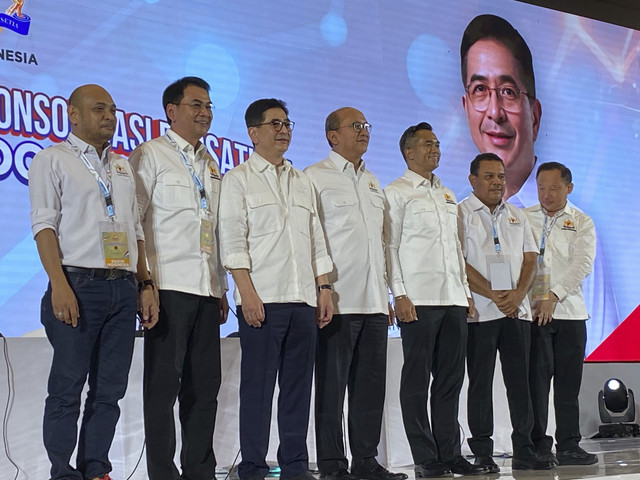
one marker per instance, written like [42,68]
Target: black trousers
[434,345]
[283,347]
[512,338]
[351,354]
[557,350]
[182,360]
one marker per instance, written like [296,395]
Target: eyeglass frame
[498,96]
[210,107]
[363,126]
[289,124]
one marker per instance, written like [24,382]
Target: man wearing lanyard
[352,350]
[500,253]
[84,218]
[432,299]
[567,239]
[273,244]
[178,187]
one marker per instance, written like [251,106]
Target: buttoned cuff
[235,261]
[398,289]
[322,266]
[560,292]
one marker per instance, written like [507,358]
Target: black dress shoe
[431,469]
[548,456]
[532,462]
[487,462]
[460,466]
[341,474]
[377,473]
[576,456]
[303,476]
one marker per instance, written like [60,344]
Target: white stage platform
[30,358]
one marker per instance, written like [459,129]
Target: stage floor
[618,458]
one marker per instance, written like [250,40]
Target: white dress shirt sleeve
[583,255]
[44,191]
[233,215]
[393,221]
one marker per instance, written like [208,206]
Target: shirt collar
[342,163]
[84,147]
[477,204]
[258,163]
[184,145]
[418,180]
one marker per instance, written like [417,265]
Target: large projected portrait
[529,84]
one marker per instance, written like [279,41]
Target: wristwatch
[144,283]
[326,286]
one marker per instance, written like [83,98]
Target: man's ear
[536,111]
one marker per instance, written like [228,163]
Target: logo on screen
[14,19]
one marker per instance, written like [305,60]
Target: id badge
[206,234]
[499,270]
[115,245]
[541,284]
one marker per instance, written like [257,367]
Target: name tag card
[499,270]
[115,245]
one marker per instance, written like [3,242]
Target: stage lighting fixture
[617,410]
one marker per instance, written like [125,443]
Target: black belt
[102,273]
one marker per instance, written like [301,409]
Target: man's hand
[64,303]
[471,309]
[148,307]
[405,310]
[508,302]
[324,310]
[392,315]
[543,309]
[224,308]
[252,309]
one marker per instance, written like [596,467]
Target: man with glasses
[352,350]
[273,244]
[500,96]
[432,301]
[178,189]
[500,254]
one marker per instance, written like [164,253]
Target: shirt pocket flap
[260,199]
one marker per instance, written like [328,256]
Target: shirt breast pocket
[423,218]
[263,214]
[177,190]
[302,209]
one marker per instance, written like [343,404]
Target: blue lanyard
[496,240]
[546,231]
[203,196]
[111,212]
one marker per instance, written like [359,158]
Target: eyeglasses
[358,127]
[198,106]
[507,94]
[278,124]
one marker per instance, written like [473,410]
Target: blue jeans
[101,346]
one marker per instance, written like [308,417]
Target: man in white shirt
[273,244]
[432,300]
[178,189]
[501,253]
[567,240]
[85,222]
[352,350]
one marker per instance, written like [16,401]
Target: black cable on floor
[8,407]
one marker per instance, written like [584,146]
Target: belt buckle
[112,275]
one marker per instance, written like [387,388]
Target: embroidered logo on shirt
[372,187]
[568,225]
[120,170]
[514,221]
[213,173]
[449,199]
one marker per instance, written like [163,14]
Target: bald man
[84,218]
[351,350]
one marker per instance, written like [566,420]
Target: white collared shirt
[570,251]
[66,198]
[424,256]
[269,225]
[171,213]
[476,237]
[351,209]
